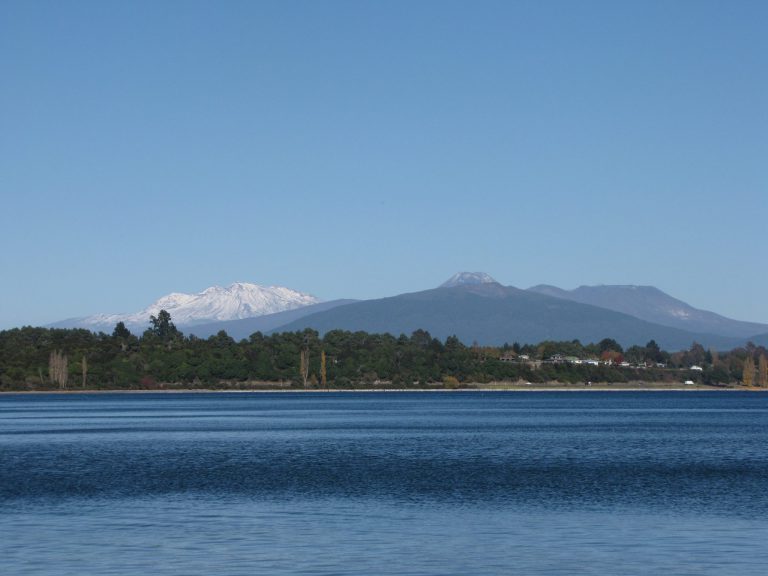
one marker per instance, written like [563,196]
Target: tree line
[163,357]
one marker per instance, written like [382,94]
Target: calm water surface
[385,483]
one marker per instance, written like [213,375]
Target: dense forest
[164,358]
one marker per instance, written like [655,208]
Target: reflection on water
[395,483]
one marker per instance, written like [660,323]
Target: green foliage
[164,357]
[609,345]
[161,326]
[121,332]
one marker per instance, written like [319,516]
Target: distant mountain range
[653,305]
[489,313]
[239,329]
[236,301]
[470,305]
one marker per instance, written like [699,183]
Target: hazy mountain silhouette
[653,305]
[239,329]
[489,313]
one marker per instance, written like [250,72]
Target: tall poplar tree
[304,364]
[748,374]
[58,370]
[323,377]
[762,372]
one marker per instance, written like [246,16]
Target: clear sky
[364,149]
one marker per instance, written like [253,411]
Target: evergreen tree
[162,327]
[610,345]
[121,332]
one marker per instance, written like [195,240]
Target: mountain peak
[468,279]
[216,303]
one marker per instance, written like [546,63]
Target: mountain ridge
[472,305]
[653,305]
[493,314]
[216,303]
[468,278]
[243,328]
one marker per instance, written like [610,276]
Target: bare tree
[64,375]
[762,371]
[323,379]
[58,368]
[84,364]
[748,374]
[52,367]
[304,365]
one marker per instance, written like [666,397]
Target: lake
[408,483]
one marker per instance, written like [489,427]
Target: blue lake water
[385,483]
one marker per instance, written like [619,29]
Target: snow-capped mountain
[237,301]
[467,278]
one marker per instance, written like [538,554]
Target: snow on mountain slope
[467,278]
[237,301]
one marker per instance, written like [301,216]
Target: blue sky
[363,149]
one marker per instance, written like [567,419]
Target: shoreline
[512,389]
